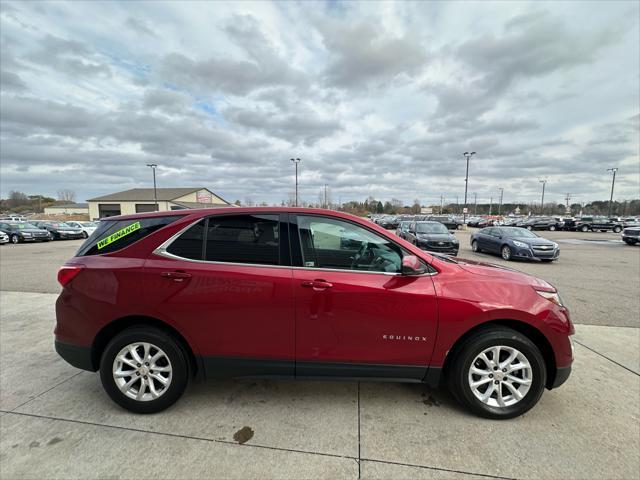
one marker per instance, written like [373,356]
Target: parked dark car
[595,224]
[60,230]
[433,237]
[403,228]
[449,222]
[514,242]
[152,300]
[19,232]
[631,235]
[389,222]
[544,223]
[485,222]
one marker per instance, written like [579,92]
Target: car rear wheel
[15,239]
[584,228]
[475,247]
[85,235]
[144,370]
[552,228]
[498,373]
[617,229]
[506,252]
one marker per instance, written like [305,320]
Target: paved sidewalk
[56,422]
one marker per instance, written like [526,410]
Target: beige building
[139,200]
[67,209]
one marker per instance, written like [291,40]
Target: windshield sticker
[118,235]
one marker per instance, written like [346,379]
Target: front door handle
[316,284]
[176,276]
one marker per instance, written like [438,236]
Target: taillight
[68,273]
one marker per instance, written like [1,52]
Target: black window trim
[283,259]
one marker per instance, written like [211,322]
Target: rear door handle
[316,284]
[176,276]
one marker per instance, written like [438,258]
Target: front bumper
[536,255]
[74,355]
[70,236]
[630,238]
[447,249]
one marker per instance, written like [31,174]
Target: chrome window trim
[162,252]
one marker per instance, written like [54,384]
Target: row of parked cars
[43,230]
[580,224]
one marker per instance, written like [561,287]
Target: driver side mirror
[411,265]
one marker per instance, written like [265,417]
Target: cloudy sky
[376,98]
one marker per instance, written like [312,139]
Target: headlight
[520,244]
[555,245]
[553,297]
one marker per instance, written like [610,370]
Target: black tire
[529,227]
[505,252]
[175,354]
[584,228]
[15,239]
[617,229]
[475,247]
[85,235]
[465,354]
[552,228]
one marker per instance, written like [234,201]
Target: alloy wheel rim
[142,371]
[506,253]
[500,376]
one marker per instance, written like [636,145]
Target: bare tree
[66,195]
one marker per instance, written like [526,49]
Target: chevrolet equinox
[154,300]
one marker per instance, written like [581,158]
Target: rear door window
[252,239]
[113,235]
[190,244]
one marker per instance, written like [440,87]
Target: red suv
[153,300]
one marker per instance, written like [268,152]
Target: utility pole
[490,204]
[475,204]
[296,161]
[567,199]
[544,184]
[613,182]
[466,184]
[325,195]
[441,203]
[500,204]
[457,205]
[155,192]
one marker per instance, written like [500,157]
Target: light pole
[155,191]
[544,184]
[466,184]
[500,204]
[613,182]
[296,161]
[441,202]
[475,204]
[490,204]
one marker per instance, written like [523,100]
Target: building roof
[146,194]
[69,205]
[202,205]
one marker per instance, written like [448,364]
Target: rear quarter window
[114,235]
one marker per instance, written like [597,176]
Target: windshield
[431,228]
[22,226]
[88,224]
[515,232]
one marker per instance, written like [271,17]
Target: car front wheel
[584,228]
[506,252]
[144,370]
[617,229]
[498,373]
[474,246]
[552,228]
[15,239]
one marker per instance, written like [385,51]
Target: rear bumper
[74,355]
[562,374]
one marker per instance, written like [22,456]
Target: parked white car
[4,238]
[87,227]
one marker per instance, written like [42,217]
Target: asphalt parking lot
[56,422]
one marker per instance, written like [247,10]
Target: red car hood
[509,274]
